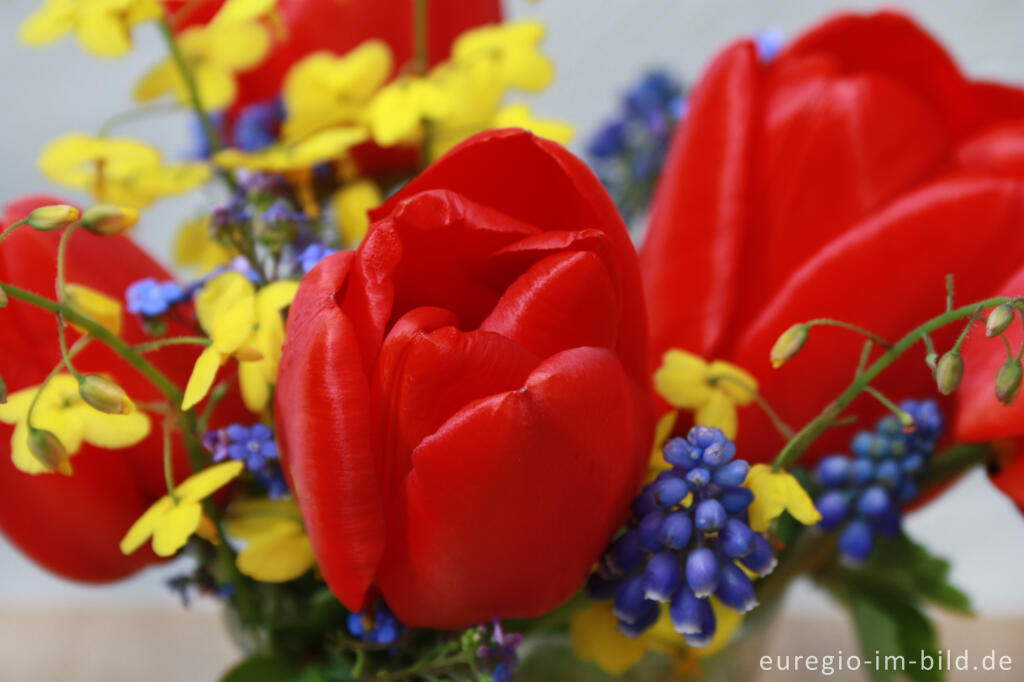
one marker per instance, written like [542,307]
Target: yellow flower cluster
[103,27]
[117,170]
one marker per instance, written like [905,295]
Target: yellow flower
[774,493]
[193,246]
[520,116]
[98,307]
[103,27]
[351,204]
[117,170]
[397,111]
[61,411]
[323,90]
[240,320]
[172,521]
[215,52]
[712,390]
[594,636]
[511,48]
[278,548]
[328,145]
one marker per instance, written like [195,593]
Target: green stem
[782,427]
[62,256]
[865,355]
[803,439]
[420,35]
[10,228]
[62,340]
[967,329]
[75,350]
[900,413]
[949,291]
[189,78]
[137,114]
[852,327]
[169,463]
[150,346]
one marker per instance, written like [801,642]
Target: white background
[599,47]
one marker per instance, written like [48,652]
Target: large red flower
[843,179]
[463,404]
[72,525]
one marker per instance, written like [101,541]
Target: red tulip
[843,179]
[463,404]
[72,525]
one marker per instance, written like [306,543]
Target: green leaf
[260,668]
[905,564]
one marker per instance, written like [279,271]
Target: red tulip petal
[426,372]
[323,408]
[510,488]
[998,150]
[690,258]
[980,416]
[892,44]
[884,276]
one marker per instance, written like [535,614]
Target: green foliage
[886,598]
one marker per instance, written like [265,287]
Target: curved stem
[169,462]
[10,228]
[137,114]
[852,327]
[781,426]
[803,439]
[150,346]
[901,414]
[75,350]
[62,256]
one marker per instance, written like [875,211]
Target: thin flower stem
[1020,353]
[169,462]
[150,346]
[931,358]
[62,340]
[1009,349]
[62,256]
[189,79]
[901,414]
[966,330]
[136,114]
[865,355]
[810,432]
[852,327]
[949,292]
[781,426]
[10,228]
[78,346]
[421,45]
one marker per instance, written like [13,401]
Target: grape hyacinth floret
[689,540]
[377,627]
[628,151]
[150,298]
[867,492]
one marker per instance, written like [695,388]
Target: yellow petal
[173,529]
[234,325]
[719,411]
[594,637]
[105,34]
[520,116]
[682,380]
[221,294]
[203,374]
[235,47]
[143,529]
[249,518]
[113,431]
[206,482]
[194,246]
[97,306]
[47,24]
[737,384]
[243,10]
[254,387]
[351,204]
[281,554]
[662,431]
[158,81]
[774,493]
[216,84]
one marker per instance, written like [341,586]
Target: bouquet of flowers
[423,412]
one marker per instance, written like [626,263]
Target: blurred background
[54,630]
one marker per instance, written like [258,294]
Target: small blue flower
[151,298]
[313,254]
[258,124]
[502,649]
[253,445]
[377,627]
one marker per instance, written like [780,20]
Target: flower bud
[3,298]
[788,344]
[248,354]
[999,319]
[949,372]
[104,395]
[46,448]
[53,217]
[1008,382]
[108,219]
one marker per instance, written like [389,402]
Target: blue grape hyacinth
[378,626]
[628,150]
[688,540]
[865,494]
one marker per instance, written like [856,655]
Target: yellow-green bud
[108,219]
[53,217]
[788,344]
[3,298]
[104,395]
[1008,381]
[46,448]
[999,319]
[949,372]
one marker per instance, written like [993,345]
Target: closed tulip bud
[1008,382]
[949,372]
[108,219]
[998,320]
[104,395]
[53,217]
[788,344]
[46,448]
